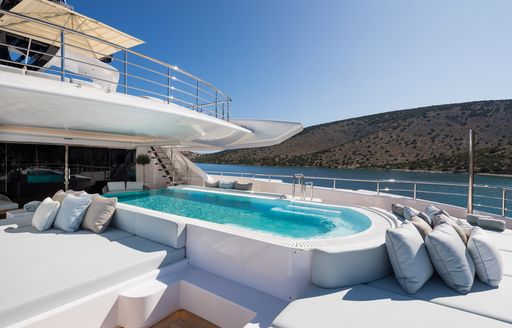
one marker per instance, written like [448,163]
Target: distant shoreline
[498,175]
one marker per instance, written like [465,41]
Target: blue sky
[322,60]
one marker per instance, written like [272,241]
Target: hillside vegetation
[426,138]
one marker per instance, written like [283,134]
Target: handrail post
[125,71]
[228,105]
[334,183]
[28,52]
[169,85]
[62,57]
[216,103]
[414,191]
[378,188]
[503,202]
[197,96]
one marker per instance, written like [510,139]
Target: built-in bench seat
[368,306]
[44,270]
[384,301]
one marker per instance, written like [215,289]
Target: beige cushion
[99,214]
[423,228]
[462,232]
[450,258]
[486,256]
[59,196]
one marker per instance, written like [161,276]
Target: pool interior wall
[269,215]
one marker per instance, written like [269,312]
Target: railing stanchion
[503,202]
[197,96]
[378,188]
[62,57]
[334,184]
[228,105]
[169,85]
[414,191]
[125,71]
[216,103]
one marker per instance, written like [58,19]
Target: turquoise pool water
[278,217]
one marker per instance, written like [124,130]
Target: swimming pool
[274,216]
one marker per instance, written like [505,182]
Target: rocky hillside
[426,138]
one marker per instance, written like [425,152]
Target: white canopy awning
[60,15]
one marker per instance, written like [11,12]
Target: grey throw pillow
[410,212]
[491,224]
[450,258]
[486,256]
[398,209]
[243,186]
[408,257]
[423,228]
[99,214]
[31,206]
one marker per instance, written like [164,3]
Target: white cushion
[45,214]
[486,256]
[133,185]
[226,184]
[116,186]
[408,257]
[450,257]
[71,213]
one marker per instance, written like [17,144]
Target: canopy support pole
[471,171]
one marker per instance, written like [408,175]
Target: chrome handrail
[505,190]
[202,97]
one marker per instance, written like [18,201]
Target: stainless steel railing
[140,75]
[494,199]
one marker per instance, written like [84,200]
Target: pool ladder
[300,185]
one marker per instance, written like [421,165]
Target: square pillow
[410,212]
[59,196]
[408,257]
[461,230]
[431,211]
[226,184]
[423,228]
[450,258]
[32,206]
[71,213]
[486,256]
[87,195]
[243,186]
[211,184]
[45,214]
[98,215]
[398,209]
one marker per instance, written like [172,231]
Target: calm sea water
[486,199]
